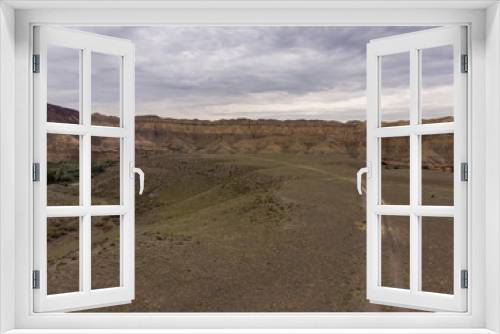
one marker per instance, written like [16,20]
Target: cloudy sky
[253,72]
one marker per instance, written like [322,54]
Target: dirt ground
[249,233]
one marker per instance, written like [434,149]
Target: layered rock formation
[156,135]
[249,136]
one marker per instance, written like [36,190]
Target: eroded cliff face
[156,135]
[249,136]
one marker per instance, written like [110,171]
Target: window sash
[413,43]
[86,297]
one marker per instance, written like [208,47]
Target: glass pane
[63,84]
[63,257]
[395,171]
[395,89]
[437,84]
[105,171]
[395,251]
[437,254]
[437,169]
[105,89]
[63,170]
[105,252]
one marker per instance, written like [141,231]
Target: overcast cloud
[253,72]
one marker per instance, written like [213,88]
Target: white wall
[477,128]
[492,165]
[7,162]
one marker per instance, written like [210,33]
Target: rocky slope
[156,135]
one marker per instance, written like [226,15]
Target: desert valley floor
[247,215]
[247,233]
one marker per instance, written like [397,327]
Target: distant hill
[58,114]
[156,135]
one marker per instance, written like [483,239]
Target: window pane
[395,89]
[63,84]
[63,170]
[437,254]
[437,170]
[395,232]
[105,89]
[105,252]
[437,84]
[105,171]
[395,171]
[63,256]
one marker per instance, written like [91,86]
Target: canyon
[157,135]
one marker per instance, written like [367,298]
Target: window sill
[251,331]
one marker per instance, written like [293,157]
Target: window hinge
[36,172]
[465,64]
[464,172]
[36,63]
[465,279]
[36,279]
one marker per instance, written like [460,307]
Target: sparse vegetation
[242,232]
[67,172]
[63,172]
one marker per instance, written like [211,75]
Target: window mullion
[414,171]
[419,164]
[85,161]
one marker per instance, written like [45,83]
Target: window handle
[368,171]
[141,176]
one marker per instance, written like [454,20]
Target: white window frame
[482,19]
[413,44]
[85,44]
